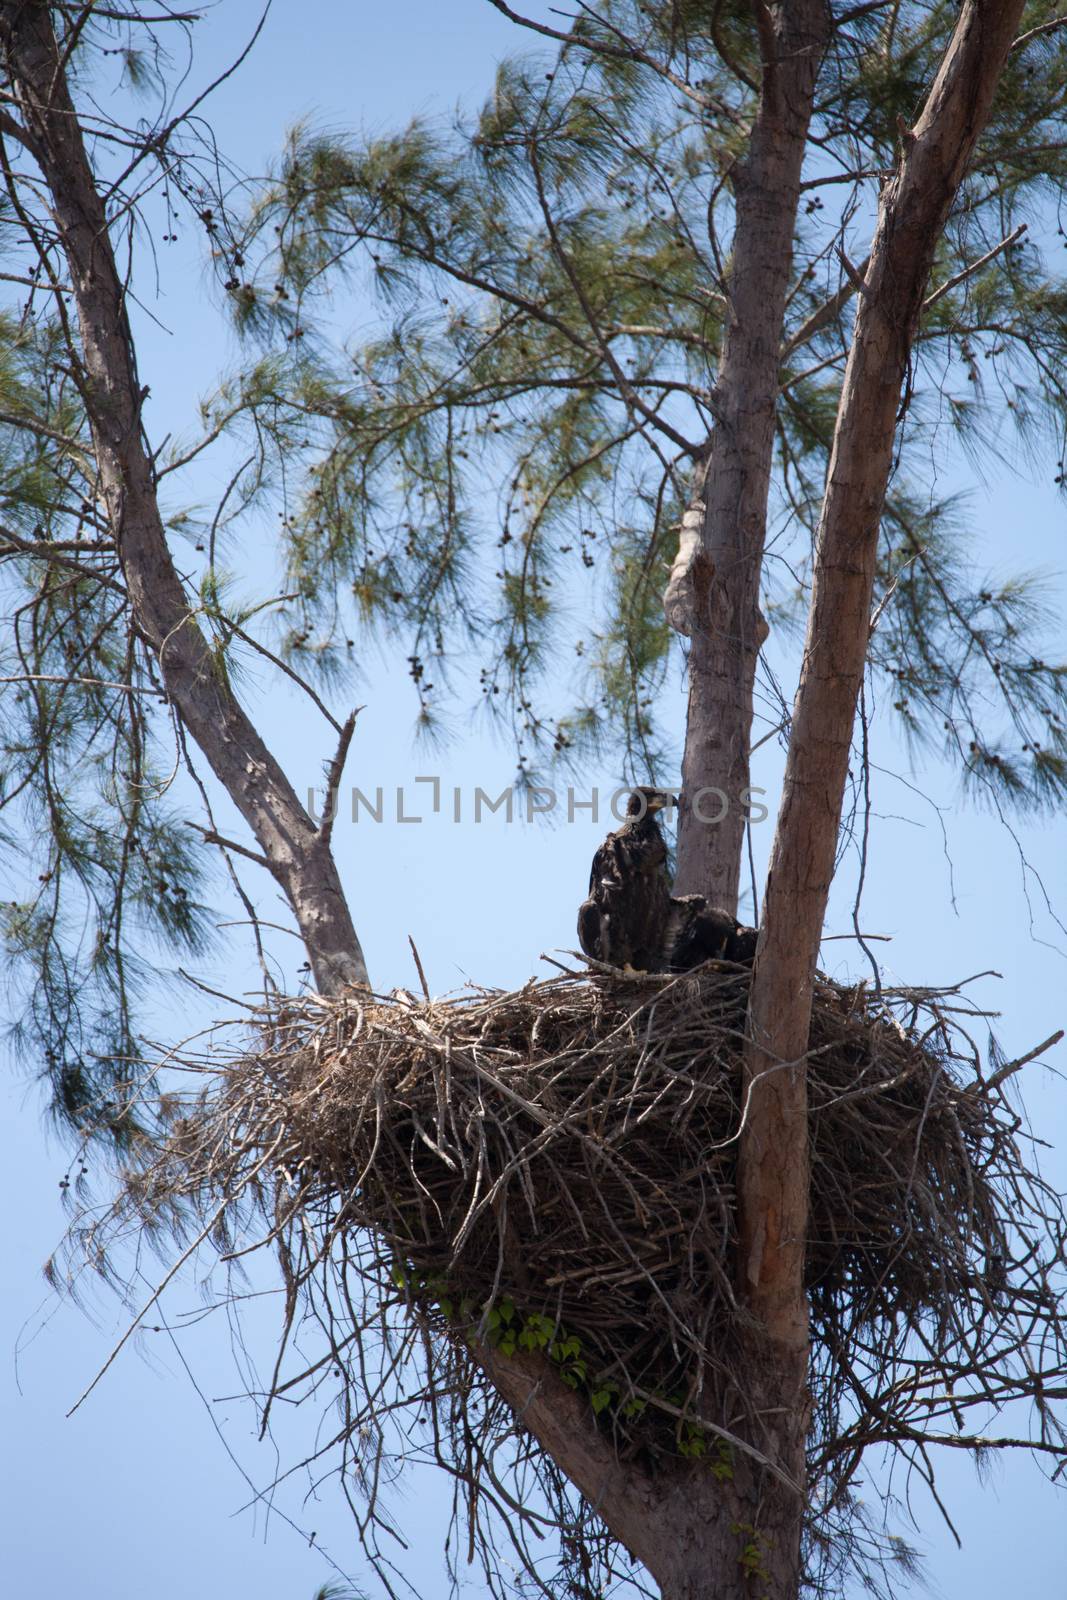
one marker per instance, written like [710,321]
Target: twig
[84,683]
[825,314]
[255,644]
[967,272]
[333,775]
[855,274]
[1033,33]
[211,837]
[1011,1067]
[422,975]
[204,1233]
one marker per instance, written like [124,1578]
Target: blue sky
[136,1495]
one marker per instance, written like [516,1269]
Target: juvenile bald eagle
[631,920]
[624,920]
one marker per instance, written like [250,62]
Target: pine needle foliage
[551,272]
[489,475]
[99,874]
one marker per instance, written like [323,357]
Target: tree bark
[773,1177]
[690,1529]
[713,595]
[294,849]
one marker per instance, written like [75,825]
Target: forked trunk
[725,1533]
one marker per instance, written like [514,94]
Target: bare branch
[1009,1068]
[83,683]
[43,431]
[333,775]
[15,130]
[210,836]
[60,555]
[827,313]
[857,275]
[1034,33]
[975,266]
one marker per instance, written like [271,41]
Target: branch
[768,45]
[626,389]
[15,130]
[813,371]
[114,15]
[855,12]
[43,431]
[83,683]
[857,275]
[1009,1068]
[333,775]
[1043,27]
[629,51]
[967,272]
[827,312]
[283,666]
[44,550]
[196,683]
[717,40]
[211,837]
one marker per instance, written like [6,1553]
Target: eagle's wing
[605,867]
[590,930]
[715,928]
[678,937]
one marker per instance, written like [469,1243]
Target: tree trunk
[773,1175]
[695,1532]
[713,595]
[294,849]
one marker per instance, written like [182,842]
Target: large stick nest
[555,1169]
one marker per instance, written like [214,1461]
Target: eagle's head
[645,801]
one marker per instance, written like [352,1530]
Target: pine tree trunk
[773,1172]
[714,592]
[701,1536]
